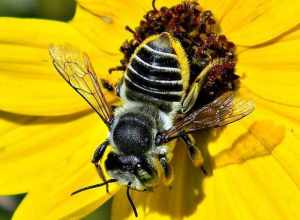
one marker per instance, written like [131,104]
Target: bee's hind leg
[192,96]
[194,152]
[99,152]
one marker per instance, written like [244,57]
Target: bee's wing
[75,67]
[224,110]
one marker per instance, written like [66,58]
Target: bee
[158,107]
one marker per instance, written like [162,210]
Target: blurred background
[47,9]
[50,9]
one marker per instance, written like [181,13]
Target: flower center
[199,35]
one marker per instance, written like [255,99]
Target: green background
[51,9]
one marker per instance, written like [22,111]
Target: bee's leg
[191,98]
[112,88]
[118,86]
[168,170]
[99,152]
[117,68]
[107,85]
[194,152]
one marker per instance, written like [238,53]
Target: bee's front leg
[107,85]
[99,152]
[111,87]
[194,152]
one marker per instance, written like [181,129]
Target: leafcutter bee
[157,107]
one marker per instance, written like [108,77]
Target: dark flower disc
[198,33]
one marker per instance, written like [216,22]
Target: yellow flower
[48,133]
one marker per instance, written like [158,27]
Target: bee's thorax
[132,134]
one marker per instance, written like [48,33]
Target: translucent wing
[75,67]
[224,110]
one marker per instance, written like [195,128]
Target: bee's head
[140,171]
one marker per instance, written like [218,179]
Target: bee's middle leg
[167,169]
[194,152]
[99,152]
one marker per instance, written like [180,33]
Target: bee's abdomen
[155,72]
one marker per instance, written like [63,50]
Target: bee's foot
[205,171]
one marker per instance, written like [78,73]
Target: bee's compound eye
[112,162]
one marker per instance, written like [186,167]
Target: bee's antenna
[130,200]
[94,186]
[153,5]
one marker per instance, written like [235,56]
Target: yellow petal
[44,149]
[266,132]
[251,23]
[103,23]
[50,158]
[29,84]
[253,143]
[258,189]
[218,8]
[54,199]
[272,71]
[287,152]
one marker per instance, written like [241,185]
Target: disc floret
[199,34]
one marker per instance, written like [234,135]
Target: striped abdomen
[155,72]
